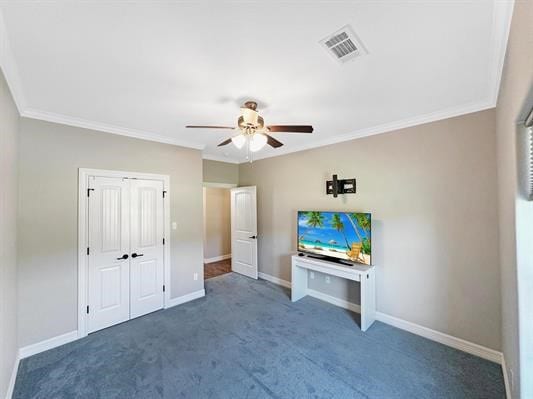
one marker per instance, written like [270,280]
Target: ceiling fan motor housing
[254,124]
[250,105]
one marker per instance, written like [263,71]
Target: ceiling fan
[253,132]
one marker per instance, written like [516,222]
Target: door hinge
[164,193]
[89,191]
[163,241]
[87,250]
[163,287]
[87,309]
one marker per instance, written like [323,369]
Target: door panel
[110,280]
[243,252]
[108,289]
[111,218]
[244,231]
[146,239]
[148,278]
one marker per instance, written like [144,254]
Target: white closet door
[244,231]
[109,271]
[146,283]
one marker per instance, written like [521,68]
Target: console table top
[356,268]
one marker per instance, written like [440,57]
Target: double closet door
[126,238]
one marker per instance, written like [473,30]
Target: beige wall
[220,172]
[50,155]
[9,120]
[217,239]
[515,100]
[431,191]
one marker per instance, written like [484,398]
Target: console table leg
[299,283]
[368,299]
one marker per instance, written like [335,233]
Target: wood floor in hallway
[217,268]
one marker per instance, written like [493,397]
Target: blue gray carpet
[245,339]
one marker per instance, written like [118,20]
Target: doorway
[217,231]
[123,260]
[230,230]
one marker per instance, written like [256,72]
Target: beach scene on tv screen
[342,235]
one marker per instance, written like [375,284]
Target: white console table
[364,274]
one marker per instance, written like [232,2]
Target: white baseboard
[185,298]
[275,280]
[217,258]
[437,336]
[433,335]
[334,301]
[13,379]
[51,343]
[506,379]
[54,342]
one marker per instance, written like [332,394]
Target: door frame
[205,185]
[83,226]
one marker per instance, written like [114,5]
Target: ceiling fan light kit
[238,141]
[257,141]
[253,131]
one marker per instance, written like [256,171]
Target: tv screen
[341,235]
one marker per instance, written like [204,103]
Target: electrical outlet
[174,225]
[328,280]
[312,275]
[195,276]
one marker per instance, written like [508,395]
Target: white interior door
[244,231]
[109,266]
[147,232]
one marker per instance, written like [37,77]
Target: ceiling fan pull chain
[248,152]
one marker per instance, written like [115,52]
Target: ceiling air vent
[343,45]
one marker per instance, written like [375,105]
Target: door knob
[253,237]
[125,256]
[134,255]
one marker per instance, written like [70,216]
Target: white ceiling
[148,68]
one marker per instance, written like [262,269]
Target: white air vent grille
[343,45]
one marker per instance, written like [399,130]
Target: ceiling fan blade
[290,128]
[209,127]
[225,142]
[271,141]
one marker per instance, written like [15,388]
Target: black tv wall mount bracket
[340,186]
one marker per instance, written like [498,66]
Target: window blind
[529,129]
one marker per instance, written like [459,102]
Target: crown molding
[9,68]
[221,158]
[501,20]
[501,26]
[502,15]
[107,128]
[385,128]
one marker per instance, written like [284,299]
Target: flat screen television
[344,236]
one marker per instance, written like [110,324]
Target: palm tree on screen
[314,219]
[337,224]
[363,221]
[351,218]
